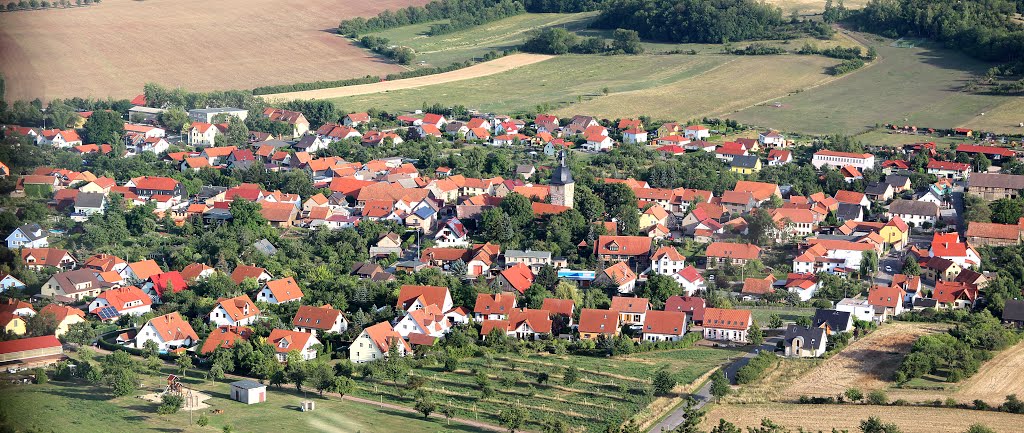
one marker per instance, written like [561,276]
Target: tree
[512,418]
[979,428]
[725,427]
[425,406]
[774,321]
[878,397]
[237,133]
[981,163]
[755,335]
[104,127]
[911,267]
[761,227]
[875,425]
[151,348]
[804,321]
[719,385]
[123,381]
[296,371]
[174,119]
[170,403]
[321,376]
[184,362]
[81,333]
[692,418]
[395,366]
[869,263]
[343,385]
[572,374]
[627,41]
[663,382]
[854,394]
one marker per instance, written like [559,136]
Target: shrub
[878,397]
[1013,404]
[171,404]
[854,394]
[755,368]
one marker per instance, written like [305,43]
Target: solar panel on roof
[106,313]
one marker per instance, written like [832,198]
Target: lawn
[881,137]
[608,388]
[80,407]
[475,42]
[1001,119]
[762,315]
[915,86]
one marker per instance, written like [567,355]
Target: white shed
[248,391]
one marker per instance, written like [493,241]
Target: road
[703,396]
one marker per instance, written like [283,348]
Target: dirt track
[476,71]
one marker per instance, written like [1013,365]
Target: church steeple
[562,174]
[562,185]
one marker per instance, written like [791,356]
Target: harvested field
[998,377]
[867,364]
[1002,119]
[811,6]
[848,417]
[476,71]
[113,48]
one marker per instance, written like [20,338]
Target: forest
[460,14]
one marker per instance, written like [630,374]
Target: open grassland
[916,86]
[607,387]
[1001,119]
[881,137]
[80,407]
[477,41]
[868,363]
[848,417]
[762,316]
[666,86]
[113,48]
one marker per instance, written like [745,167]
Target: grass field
[848,417]
[113,48]
[868,363]
[477,41]
[917,86]
[80,407]
[608,387]
[762,315]
[882,138]
[1004,118]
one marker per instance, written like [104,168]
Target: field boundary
[478,70]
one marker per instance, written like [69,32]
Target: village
[450,256]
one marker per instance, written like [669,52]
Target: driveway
[703,395]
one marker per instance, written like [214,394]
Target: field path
[478,70]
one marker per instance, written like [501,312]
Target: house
[664,326]
[13,324]
[44,350]
[757,287]
[8,281]
[77,284]
[979,233]
[561,309]
[243,272]
[202,134]
[61,138]
[634,135]
[719,253]
[917,213]
[727,325]
[761,191]
[208,115]
[280,291]
[597,142]
[319,319]
[124,301]
[355,119]
[224,337]
[39,258]
[693,307]
[833,321]
[524,324]
[632,311]
[690,280]
[140,271]
[696,132]
[148,186]
[859,309]
[879,191]
[28,236]
[834,159]
[417,297]
[534,259]
[992,152]
[63,317]
[17,307]
[887,301]
[1013,313]
[297,121]
[667,261]
[90,203]
[619,276]
[899,182]
[745,164]
[948,246]
[939,269]
[169,332]
[951,294]
[994,186]
[779,157]
[832,255]
[429,321]
[804,342]
[285,341]
[452,233]
[517,278]
[248,391]
[375,342]
[949,170]
[493,306]
[595,324]
[634,249]
[771,139]
[804,285]
[237,311]
[654,215]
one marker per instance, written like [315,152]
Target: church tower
[562,185]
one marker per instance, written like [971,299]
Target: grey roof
[837,320]
[932,303]
[264,246]
[1014,310]
[425,212]
[528,253]
[247,384]
[996,180]
[30,230]
[914,207]
[744,161]
[876,188]
[849,211]
[409,264]
[896,180]
[275,143]
[524,169]
[813,337]
[90,199]
[562,175]
[214,110]
[305,142]
[208,191]
[69,279]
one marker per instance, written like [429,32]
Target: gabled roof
[881,296]
[239,307]
[690,274]
[285,341]
[242,272]
[599,321]
[687,304]
[519,276]
[27,344]
[321,318]
[733,251]
[120,296]
[563,307]
[498,303]
[623,245]
[431,295]
[284,289]
[224,337]
[383,335]
[193,271]
[624,304]
[619,273]
[163,281]
[61,312]
[44,256]
[668,252]
[719,318]
[144,269]
[665,322]
[172,327]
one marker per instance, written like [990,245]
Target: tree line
[562,6]
[382,46]
[557,40]
[25,5]
[695,21]
[461,13]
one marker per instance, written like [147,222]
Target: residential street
[703,396]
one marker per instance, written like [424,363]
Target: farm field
[477,41]
[1002,119]
[910,419]
[94,411]
[882,138]
[674,87]
[916,86]
[810,6]
[997,378]
[608,387]
[113,48]
[867,364]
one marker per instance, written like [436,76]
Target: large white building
[831,158]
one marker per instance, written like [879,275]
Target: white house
[831,158]
[126,301]
[664,326]
[598,143]
[632,311]
[667,261]
[280,291]
[28,236]
[859,309]
[804,342]
[696,132]
[202,134]
[634,135]
[493,306]
[169,331]
[285,341]
[374,343]
[727,325]
[320,319]
[771,139]
[452,234]
[7,281]
[237,311]
[427,321]
[914,212]
[690,280]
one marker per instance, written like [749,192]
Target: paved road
[703,396]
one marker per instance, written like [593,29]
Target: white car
[888,269]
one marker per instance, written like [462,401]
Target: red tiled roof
[383,335]
[826,152]
[285,341]
[241,272]
[665,322]
[719,318]
[432,295]
[285,289]
[559,306]
[519,276]
[624,304]
[993,231]
[687,304]
[988,150]
[498,303]
[224,337]
[733,251]
[321,318]
[886,296]
[599,321]
[623,245]
[948,165]
[27,344]
[173,327]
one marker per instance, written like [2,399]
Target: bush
[1013,405]
[878,397]
[171,403]
[846,66]
[755,368]
[854,394]
[40,375]
[203,420]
